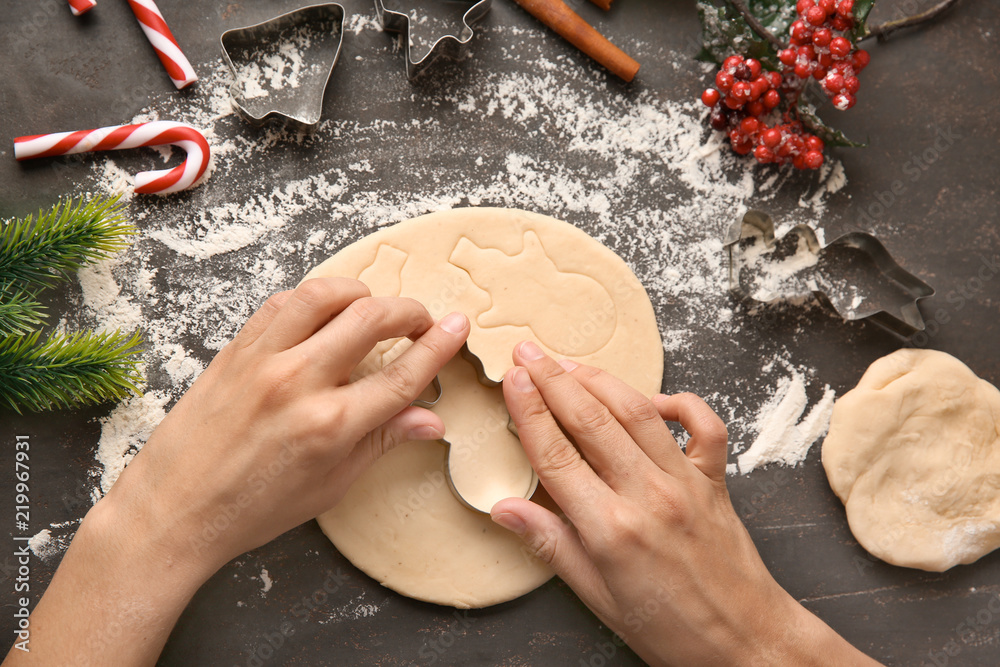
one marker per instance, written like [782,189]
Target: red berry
[799,161]
[784,150]
[841,24]
[742,72]
[772,98]
[816,15]
[839,47]
[860,60]
[710,97]
[819,73]
[846,8]
[741,91]
[851,84]
[802,6]
[802,70]
[730,63]
[763,154]
[813,160]
[844,101]
[740,144]
[814,143]
[718,120]
[807,52]
[724,81]
[758,87]
[825,59]
[787,56]
[801,32]
[748,126]
[771,137]
[754,66]
[822,37]
[774,78]
[833,82]
[829,6]
[755,108]
[733,103]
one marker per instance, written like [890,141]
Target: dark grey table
[63,73]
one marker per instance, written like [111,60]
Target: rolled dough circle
[914,454]
[516,275]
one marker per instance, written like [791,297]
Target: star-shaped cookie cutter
[902,318]
[449,45]
[298,104]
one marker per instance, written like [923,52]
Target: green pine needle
[39,252]
[68,370]
[20,312]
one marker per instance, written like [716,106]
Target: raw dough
[914,454]
[517,275]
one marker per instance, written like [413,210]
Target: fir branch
[20,311]
[68,370]
[883,30]
[39,252]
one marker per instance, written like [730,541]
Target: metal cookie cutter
[484,380]
[282,66]
[891,293]
[449,43]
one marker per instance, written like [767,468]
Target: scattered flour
[783,436]
[125,431]
[265,579]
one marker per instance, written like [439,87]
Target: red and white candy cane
[81,6]
[117,137]
[159,35]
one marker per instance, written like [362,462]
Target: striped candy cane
[117,137]
[163,41]
[81,6]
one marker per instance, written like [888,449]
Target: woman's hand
[271,435]
[653,545]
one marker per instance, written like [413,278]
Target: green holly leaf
[830,136]
[862,8]
[724,32]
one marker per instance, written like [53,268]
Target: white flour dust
[639,171]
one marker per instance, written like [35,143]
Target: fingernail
[454,323]
[568,364]
[521,380]
[424,432]
[530,351]
[511,522]
[659,398]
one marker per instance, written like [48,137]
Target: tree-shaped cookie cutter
[486,381]
[905,319]
[449,45]
[298,105]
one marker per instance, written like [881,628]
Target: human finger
[260,320]
[709,436]
[571,482]
[636,413]
[411,423]
[382,394]
[603,441]
[307,310]
[347,339]
[554,542]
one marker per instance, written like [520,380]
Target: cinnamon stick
[557,15]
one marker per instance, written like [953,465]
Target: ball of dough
[517,275]
[914,454]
